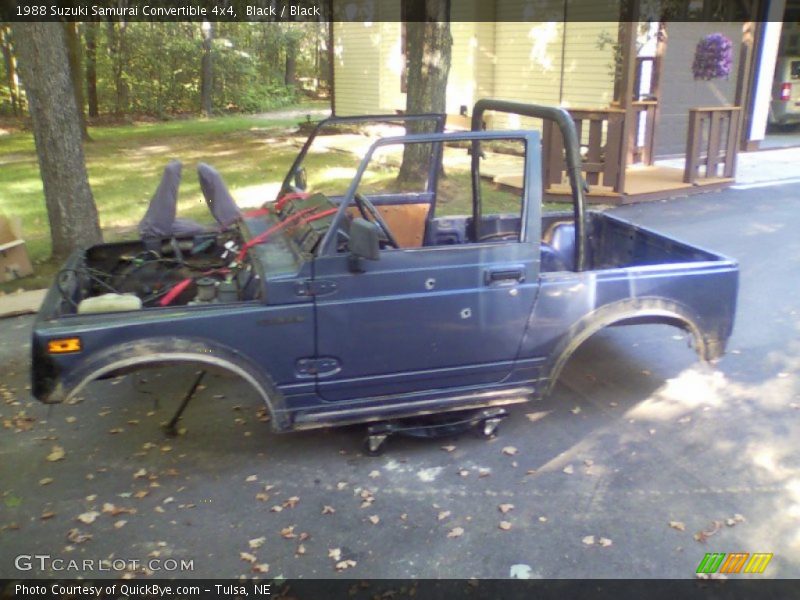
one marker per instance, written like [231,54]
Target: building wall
[679,91]
[493,57]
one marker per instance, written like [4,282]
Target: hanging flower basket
[713,57]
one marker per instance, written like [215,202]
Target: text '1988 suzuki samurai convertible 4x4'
[445,296]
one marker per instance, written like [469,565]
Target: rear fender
[707,344]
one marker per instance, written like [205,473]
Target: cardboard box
[14,261]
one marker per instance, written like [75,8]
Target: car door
[433,317]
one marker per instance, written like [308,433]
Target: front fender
[161,351]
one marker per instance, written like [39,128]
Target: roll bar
[571,145]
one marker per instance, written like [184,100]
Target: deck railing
[600,134]
[711,142]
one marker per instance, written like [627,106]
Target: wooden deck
[642,183]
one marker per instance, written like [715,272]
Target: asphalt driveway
[640,462]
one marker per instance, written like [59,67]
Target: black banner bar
[332,589]
[373,10]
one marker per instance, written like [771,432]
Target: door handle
[504,275]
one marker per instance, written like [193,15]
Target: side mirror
[300,180]
[364,243]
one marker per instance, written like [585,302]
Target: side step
[383,409]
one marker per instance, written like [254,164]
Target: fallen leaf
[301,549]
[345,564]
[247,557]
[484,472]
[112,510]
[530,472]
[604,542]
[116,430]
[374,519]
[304,536]
[588,540]
[463,472]
[46,481]
[71,419]
[677,525]
[140,473]
[588,462]
[455,532]
[702,536]
[56,453]
[444,514]
[276,508]
[543,519]
[335,553]
[288,532]
[448,448]
[684,419]
[374,474]
[251,478]
[262,496]
[341,485]
[76,536]
[168,500]
[328,510]
[537,416]
[504,525]
[88,517]
[575,410]
[141,493]
[504,508]
[510,451]
[47,515]
[569,469]
[291,502]
[91,497]
[260,568]
[120,524]
[257,542]
[731,521]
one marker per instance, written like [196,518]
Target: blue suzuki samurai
[384,301]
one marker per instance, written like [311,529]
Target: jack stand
[448,424]
[171,428]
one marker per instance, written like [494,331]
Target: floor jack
[171,428]
[448,424]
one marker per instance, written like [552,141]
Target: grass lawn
[125,164]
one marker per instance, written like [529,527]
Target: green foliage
[154,68]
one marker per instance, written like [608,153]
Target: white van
[785,106]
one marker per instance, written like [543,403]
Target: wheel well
[630,312]
[135,356]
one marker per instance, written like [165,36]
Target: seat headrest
[219,200]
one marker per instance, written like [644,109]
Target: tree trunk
[429,51]
[76,73]
[91,68]
[117,54]
[207,69]
[11,69]
[290,75]
[57,132]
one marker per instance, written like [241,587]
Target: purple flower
[713,57]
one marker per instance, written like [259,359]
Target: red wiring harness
[299,218]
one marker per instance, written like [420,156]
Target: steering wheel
[369,212]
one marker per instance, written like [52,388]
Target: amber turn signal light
[64,345]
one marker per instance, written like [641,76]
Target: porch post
[628,31]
